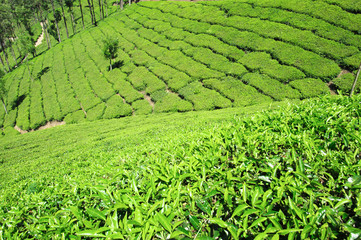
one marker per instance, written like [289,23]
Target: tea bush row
[264,28]
[293,172]
[234,89]
[271,87]
[303,59]
[297,20]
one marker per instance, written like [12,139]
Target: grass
[230,173]
[176,46]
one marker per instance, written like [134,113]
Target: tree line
[18,16]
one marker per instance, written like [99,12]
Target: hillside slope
[182,56]
[290,173]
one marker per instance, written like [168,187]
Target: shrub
[10,131]
[23,118]
[142,107]
[170,102]
[263,62]
[96,112]
[142,79]
[213,43]
[203,98]
[141,58]
[75,117]
[174,78]
[240,93]
[10,118]
[353,62]
[271,87]
[345,82]
[117,108]
[310,87]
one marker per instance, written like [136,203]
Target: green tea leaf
[90,233]
[204,206]
[239,209]
[195,222]
[96,213]
[164,222]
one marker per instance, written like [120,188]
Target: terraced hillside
[182,56]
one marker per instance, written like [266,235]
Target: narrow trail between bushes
[46,126]
[41,37]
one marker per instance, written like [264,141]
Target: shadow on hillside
[117,64]
[18,101]
[42,72]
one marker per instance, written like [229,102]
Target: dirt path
[41,38]
[46,126]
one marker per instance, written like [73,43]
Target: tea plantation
[216,122]
[289,173]
[182,56]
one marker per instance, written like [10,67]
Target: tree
[81,12]
[94,22]
[62,10]
[5,29]
[70,4]
[57,18]
[355,82]
[3,91]
[27,46]
[110,49]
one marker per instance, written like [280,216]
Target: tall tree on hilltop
[91,12]
[100,9]
[70,4]
[64,18]
[56,19]
[93,8]
[5,29]
[3,91]
[81,12]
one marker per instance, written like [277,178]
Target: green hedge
[37,117]
[174,78]
[203,98]
[142,79]
[234,89]
[271,87]
[10,131]
[142,107]
[301,21]
[75,117]
[309,62]
[263,62]
[353,62]
[116,108]
[183,63]
[345,82]
[216,45]
[215,61]
[96,112]
[310,87]
[170,102]
[23,116]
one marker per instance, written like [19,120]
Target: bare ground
[40,39]
[46,126]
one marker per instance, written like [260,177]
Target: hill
[176,56]
[293,172]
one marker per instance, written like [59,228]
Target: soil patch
[146,97]
[46,126]
[40,39]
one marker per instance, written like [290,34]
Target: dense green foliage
[293,172]
[176,57]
